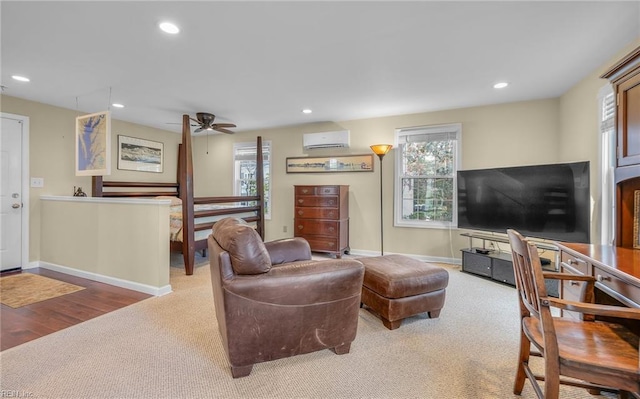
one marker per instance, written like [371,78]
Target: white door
[11,194]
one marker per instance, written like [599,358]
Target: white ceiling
[258,64]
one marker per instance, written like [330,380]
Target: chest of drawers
[322,217]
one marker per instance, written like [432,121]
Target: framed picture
[636,217]
[141,155]
[343,163]
[93,144]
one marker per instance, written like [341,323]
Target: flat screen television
[543,201]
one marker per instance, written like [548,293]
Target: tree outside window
[245,172]
[426,174]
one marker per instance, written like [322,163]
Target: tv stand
[496,264]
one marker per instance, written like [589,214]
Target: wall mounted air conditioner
[339,139]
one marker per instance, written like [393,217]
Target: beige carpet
[169,347]
[26,288]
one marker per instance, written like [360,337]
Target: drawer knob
[304,190]
[331,214]
[300,213]
[300,201]
[602,278]
[331,229]
[332,202]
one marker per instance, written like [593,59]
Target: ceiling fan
[205,122]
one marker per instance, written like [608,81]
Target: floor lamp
[381,150]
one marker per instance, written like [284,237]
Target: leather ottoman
[396,287]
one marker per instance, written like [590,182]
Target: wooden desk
[617,269]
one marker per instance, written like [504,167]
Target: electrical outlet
[37,182]
[284,229]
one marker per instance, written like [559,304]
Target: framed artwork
[93,144]
[141,155]
[343,163]
[636,217]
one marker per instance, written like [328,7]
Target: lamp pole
[381,150]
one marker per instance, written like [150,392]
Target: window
[244,161]
[426,166]
[607,129]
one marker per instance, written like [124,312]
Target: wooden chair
[592,354]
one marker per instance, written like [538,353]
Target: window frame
[267,171]
[607,116]
[398,199]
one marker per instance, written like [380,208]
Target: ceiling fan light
[21,78]
[500,85]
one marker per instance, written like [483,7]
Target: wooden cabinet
[629,120]
[616,271]
[322,217]
[625,78]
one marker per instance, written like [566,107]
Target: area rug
[26,288]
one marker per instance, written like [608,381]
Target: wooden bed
[236,206]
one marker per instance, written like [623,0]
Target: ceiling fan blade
[195,120]
[217,125]
[224,130]
[198,130]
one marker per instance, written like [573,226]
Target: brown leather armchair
[272,301]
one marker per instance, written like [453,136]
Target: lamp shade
[381,149]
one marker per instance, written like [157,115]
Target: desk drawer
[575,264]
[629,292]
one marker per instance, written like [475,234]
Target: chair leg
[551,378]
[434,314]
[523,358]
[342,349]
[241,371]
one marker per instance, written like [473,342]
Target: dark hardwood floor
[29,322]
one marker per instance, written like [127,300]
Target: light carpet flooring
[169,347]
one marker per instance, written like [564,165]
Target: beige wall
[579,133]
[52,155]
[119,241]
[499,135]
[532,132]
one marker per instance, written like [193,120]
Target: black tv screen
[543,201]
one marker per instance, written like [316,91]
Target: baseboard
[437,259]
[130,285]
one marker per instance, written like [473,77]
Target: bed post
[260,185]
[96,186]
[186,194]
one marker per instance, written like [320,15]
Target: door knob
[15,206]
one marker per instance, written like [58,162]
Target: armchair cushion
[248,253]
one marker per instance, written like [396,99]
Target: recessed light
[118,105]
[500,85]
[21,78]
[168,27]
[306,111]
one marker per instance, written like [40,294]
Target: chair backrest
[528,274]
